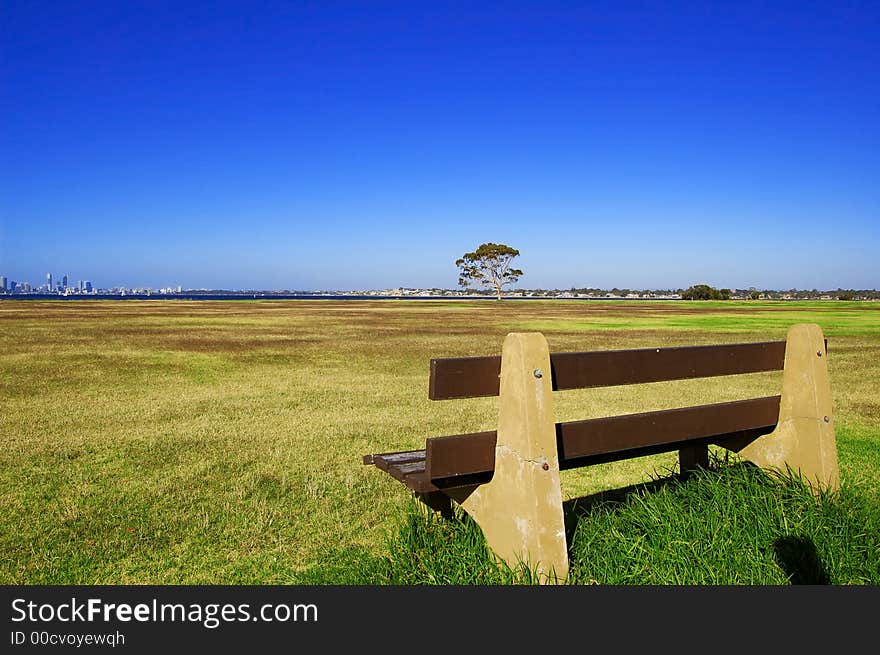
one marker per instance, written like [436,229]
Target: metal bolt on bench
[508,480]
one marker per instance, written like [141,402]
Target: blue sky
[331,145]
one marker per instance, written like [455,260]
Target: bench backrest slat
[461,454]
[617,436]
[471,377]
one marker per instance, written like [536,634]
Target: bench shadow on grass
[580,508]
[797,556]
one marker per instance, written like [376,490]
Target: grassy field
[220,442]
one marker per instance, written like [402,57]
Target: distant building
[63,281]
[88,287]
[3,282]
[49,281]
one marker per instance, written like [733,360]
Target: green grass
[728,525]
[220,442]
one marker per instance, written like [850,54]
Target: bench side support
[520,509]
[804,437]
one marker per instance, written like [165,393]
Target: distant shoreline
[279,296]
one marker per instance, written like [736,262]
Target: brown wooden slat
[464,377]
[385,460]
[409,468]
[471,377]
[403,471]
[617,434]
[731,440]
[420,483]
[619,367]
[461,454]
[613,438]
[400,471]
[391,459]
[413,475]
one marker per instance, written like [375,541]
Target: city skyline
[58,284]
[352,146]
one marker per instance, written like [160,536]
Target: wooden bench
[508,479]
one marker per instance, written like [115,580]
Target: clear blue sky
[331,145]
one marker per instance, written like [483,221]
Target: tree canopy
[705,292]
[488,266]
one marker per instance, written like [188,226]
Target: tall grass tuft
[730,525]
[727,525]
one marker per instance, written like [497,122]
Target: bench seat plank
[384,460]
[407,466]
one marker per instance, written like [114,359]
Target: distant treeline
[706,292]
[695,292]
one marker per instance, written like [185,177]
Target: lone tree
[488,266]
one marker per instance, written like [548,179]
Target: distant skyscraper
[49,280]
[3,282]
[81,285]
[63,281]
[88,287]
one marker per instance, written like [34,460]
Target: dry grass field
[221,442]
